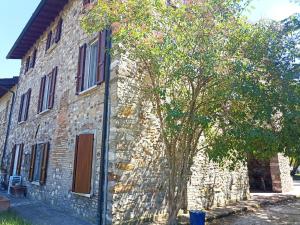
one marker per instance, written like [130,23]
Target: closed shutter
[52,88]
[21,108]
[32,160]
[27,104]
[44,166]
[20,158]
[48,43]
[101,57]
[75,164]
[81,68]
[85,2]
[12,160]
[27,64]
[58,31]
[83,166]
[33,58]
[42,89]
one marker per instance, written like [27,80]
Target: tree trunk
[294,171]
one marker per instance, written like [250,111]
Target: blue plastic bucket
[197,217]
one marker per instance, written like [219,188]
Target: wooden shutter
[12,160]
[27,104]
[85,2]
[101,57]
[27,64]
[41,95]
[52,88]
[21,108]
[44,166]
[58,31]
[20,158]
[81,68]
[33,58]
[84,161]
[75,164]
[32,161]
[48,43]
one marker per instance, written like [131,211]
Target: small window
[90,73]
[83,162]
[38,163]
[24,106]
[47,91]
[49,40]
[27,65]
[16,160]
[33,59]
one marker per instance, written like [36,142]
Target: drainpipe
[103,178]
[9,122]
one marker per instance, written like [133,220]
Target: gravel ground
[287,214]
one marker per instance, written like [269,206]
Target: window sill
[87,90]
[36,183]
[22,122]
[52,47]
[43,112]
[82,195]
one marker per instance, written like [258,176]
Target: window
[91,64]
[32,63]
[24,106]
[39,163]
[86,2]
[53,38]
[16,160]
[83,161]
[27,64]
[47,91]
[6,110]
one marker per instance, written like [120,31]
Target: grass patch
[11,218]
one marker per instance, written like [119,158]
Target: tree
[218,84]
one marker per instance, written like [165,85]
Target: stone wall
[5,107]
[280,172]
[71,115]
[137,163]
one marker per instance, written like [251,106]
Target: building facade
[55,142]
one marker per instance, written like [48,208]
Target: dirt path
[287,214]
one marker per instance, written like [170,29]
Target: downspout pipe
[103,177]
[9,122]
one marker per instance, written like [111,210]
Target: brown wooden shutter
[44,163]
[12,160]
[41,94]
[27,104]
[27,64]
[58,31]
[52,88]
[84,163]
[21,108]
[20,158]
[101,57]
[85,2]
[81,68]
[32,161]
[32,64]
[49,38]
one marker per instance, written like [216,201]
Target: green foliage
[218,83]
[10,218]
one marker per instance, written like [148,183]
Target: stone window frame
[94,163]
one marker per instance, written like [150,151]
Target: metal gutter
[103,178]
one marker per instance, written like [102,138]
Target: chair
[14,180]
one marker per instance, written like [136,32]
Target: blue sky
[14,15]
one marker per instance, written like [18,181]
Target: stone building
[72,135]
[8,87]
